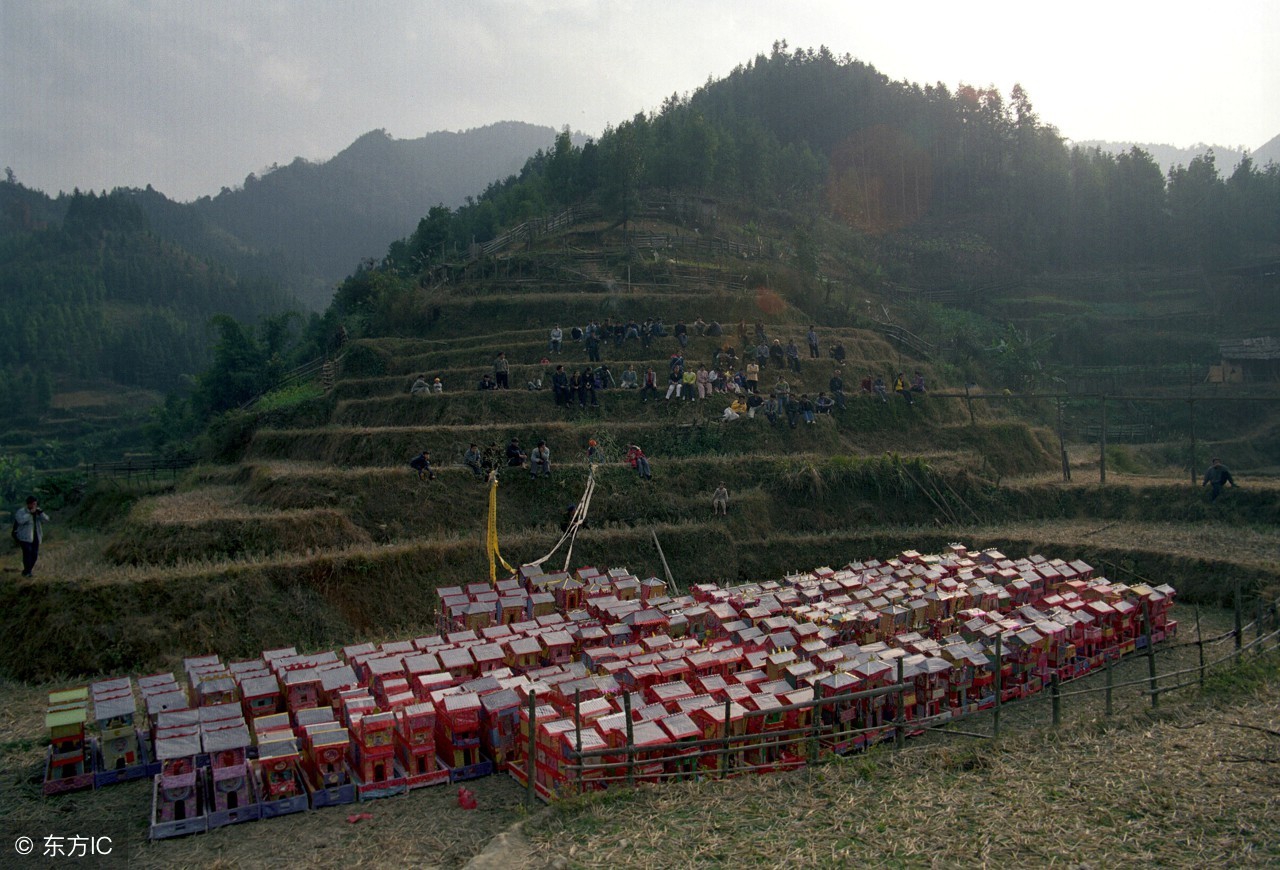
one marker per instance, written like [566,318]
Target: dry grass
[1198,786]
[425,828]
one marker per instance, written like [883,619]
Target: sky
[191,96]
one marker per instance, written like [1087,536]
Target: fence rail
[141,467]
[796,735]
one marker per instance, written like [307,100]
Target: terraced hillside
[319,533]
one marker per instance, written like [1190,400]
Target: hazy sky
[192,95]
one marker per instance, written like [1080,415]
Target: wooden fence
[140,467]
[827,731]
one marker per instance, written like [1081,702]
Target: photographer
[28,523]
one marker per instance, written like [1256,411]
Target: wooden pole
[666,569]
[1102,444]
[899,732]
[724,758]
[1151,655]
[1110,680]
[1194,465]
[1238,624]
[530,763]
[995,715]
[1062,446]
[577,732]
[1200,645]
[631,750]
[1055,694]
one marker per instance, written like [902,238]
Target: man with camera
[28,530]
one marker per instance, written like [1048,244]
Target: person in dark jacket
[422,464]
[28,530]
[1217,477]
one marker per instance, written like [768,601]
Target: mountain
[1168,156]
[320,220]
[89,291]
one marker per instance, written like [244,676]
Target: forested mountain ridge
[904,164]
[88,290]
[1169,157]
[321,219]
[123,286]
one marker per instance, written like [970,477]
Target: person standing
[557,338]
[793,356]
[813,342]
[1215,478]
[501,371]
[28,528]
[753,377]
[720,500]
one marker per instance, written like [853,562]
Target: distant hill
[319,220]
[1169,156]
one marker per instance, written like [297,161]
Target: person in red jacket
[639,462]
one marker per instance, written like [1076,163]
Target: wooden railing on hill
[697,244]
[531,230]
[140,467]
[325,369]
[906,339]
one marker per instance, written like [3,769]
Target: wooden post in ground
[995,715]
[1062,446]
[1151,654]
[530,763]
[899,731]
[1238,624]
[1102,444]
[631,749]
[577,732]
[724,759]
[1110,680]
[1200,645]
[1055,692]
[1192,404]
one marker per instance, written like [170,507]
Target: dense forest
[804,129]
[88,293]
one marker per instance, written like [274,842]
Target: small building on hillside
[1247,360]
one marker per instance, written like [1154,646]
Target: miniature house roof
[113,708]
[223,739]
[178,746]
